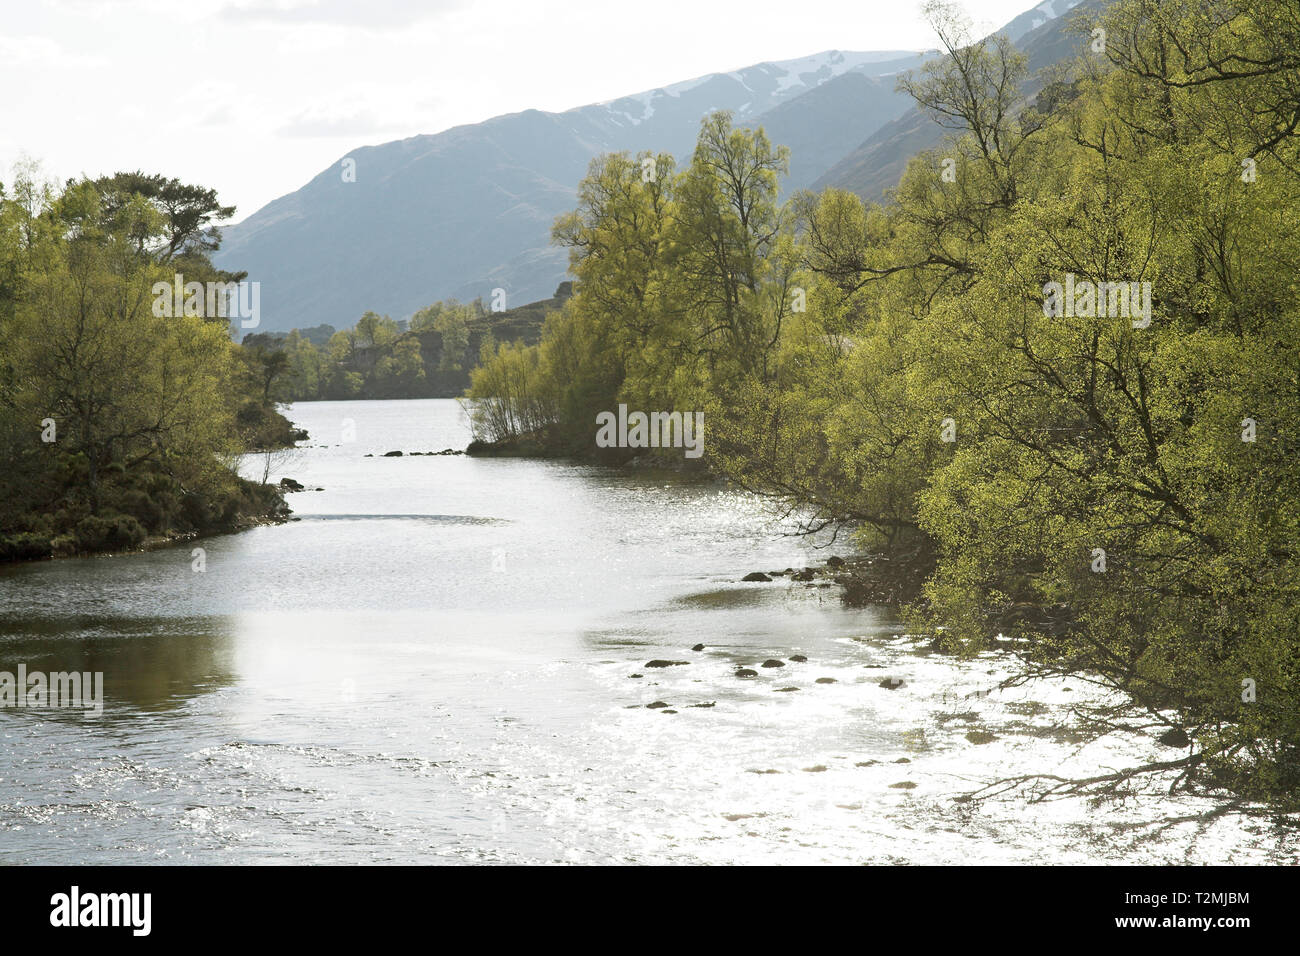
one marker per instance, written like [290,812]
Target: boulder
[288,484]
[756,576]
[1176,737]
[746,672]
[798,658]
[657,663]
[392,454]
[773,663]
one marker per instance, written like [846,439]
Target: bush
[24,547]
[109,533]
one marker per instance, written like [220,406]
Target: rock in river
[658,663]
[756,576]
[1175,738]
[773,663]
[746,672]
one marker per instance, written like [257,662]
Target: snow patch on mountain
[1049,10]
[774,79]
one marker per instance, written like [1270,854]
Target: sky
[255,97]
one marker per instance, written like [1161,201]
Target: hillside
[467,211]
[876,164]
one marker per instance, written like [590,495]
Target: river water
[437,663]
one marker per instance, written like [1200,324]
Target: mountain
[469,210]
[462,212]
[877,163]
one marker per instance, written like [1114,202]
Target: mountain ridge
[468,210]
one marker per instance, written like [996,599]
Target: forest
[120,422]
[1104,493]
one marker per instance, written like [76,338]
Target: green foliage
[1121,499]
[109,414]
[380,359]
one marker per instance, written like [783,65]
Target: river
[437,663]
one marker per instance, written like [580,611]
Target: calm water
[435,665]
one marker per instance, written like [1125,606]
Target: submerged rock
[657,705]
[892,683]
[798,658]
[698,647]
[1176,737]
[658,663]
[903,785]
[981,737]
[807,574]
[756,576]
[826,680]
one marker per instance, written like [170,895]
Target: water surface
[438,663]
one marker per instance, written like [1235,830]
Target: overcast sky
[254,97]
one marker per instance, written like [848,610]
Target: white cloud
[255,97]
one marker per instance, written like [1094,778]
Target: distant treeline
[428,356]
[118,423]
[1111,494]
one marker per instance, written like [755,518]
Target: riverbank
[146,508]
